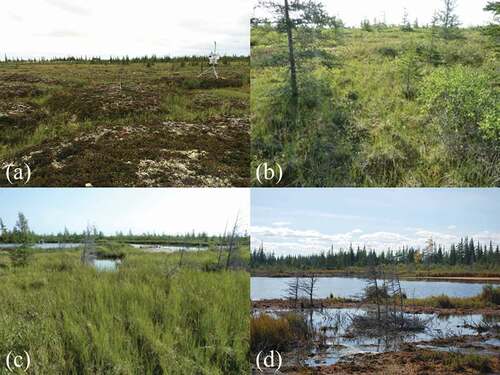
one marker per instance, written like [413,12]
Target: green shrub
[388,52]
[464,105]
[410,68]
[20,257]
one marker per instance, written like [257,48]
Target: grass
[108,124]
[489,297]
[459,362]
[358,126]
[73,319]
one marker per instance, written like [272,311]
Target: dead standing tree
[293,290]
[373,290]
[396,293]
[232,243]
[221,246]
[89,248]
[309,286]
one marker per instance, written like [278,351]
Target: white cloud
[283,240]
[71,7]
[280,223]
[123,27]
[486,236]
[353,11]
[452,227]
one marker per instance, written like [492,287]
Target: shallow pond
[167,248]
[43,246]
[339,343]
[351,287]
[106,264]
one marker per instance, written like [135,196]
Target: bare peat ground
[414,308]
[455,355]
[411,361]
[126,124]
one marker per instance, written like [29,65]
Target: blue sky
[352,12]
[111,210]
[312,220]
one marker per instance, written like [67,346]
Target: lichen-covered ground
[126,125]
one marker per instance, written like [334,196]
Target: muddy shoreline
[281,304]
[413,358]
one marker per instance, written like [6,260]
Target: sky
[47,28]
[305,221]
[168,211]
[352,12]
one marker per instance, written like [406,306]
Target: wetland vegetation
[375,104]
[126,122]
[371,333]
[132,312]
[389,316]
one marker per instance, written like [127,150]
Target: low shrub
[269,333]
[372,293]
[388,52]
[444,302]
[490,294]
[278,333]
[20,257]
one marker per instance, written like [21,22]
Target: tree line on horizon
[21,233]
[124,60]
[467,252]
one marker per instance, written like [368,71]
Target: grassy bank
[474,272]
[132,124]
[489,297]
[148,317]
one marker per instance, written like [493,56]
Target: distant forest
[466,252]
[22,233]
[194,59]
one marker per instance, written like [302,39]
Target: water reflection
[43,246]
[334,338]
[351,287]
[106,264]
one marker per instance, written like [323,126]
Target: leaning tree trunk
[293,65]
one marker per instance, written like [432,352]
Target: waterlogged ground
[151,248]
[126,125]
[338,349]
